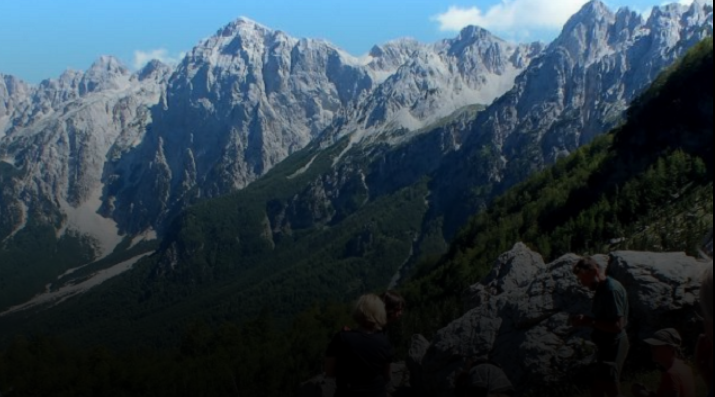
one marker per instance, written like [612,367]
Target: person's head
[394,305]
[706,300]
[589,273]
[370,313]
[665,347]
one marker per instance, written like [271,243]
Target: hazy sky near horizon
[40,39]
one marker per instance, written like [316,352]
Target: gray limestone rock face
[418,350]
[58,137]
[434,82]
[663,289]
[518,317]
[12,92]
[239,103]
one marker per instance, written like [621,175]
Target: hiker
[360,360]
[610,318]
[485,380]
[706,300]
[677,379]
[394,305]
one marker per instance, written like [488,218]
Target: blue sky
[41,38]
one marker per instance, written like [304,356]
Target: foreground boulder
[518,317]
[663,290]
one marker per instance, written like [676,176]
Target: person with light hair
[360,360]
[706,300]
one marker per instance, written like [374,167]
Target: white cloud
[141,58]
[515,16]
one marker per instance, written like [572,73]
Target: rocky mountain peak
[587,33]
[13,91]
[108,63]
[11,86]
[384,60]
[699,12]
[377,52]
[242,26]
[395,48]
[680,15]
[473,42]
[593,10]
[474,33]
[69,77]
[627,22]
[155,70]
[107,73]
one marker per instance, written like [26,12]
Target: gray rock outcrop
[519,316]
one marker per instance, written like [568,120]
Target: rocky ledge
[517,318]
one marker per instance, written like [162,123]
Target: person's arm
[331,364]
[611,327]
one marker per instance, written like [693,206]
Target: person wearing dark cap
[677,379]
[486,380]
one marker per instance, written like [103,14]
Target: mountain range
[268,165]
[649,180]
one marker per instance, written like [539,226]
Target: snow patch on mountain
[85,219]
[24,211]
[149,235]
[304,169]
[53,298]
[4,120]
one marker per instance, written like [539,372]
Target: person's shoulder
[677,375]
[681,369]
[614,285]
